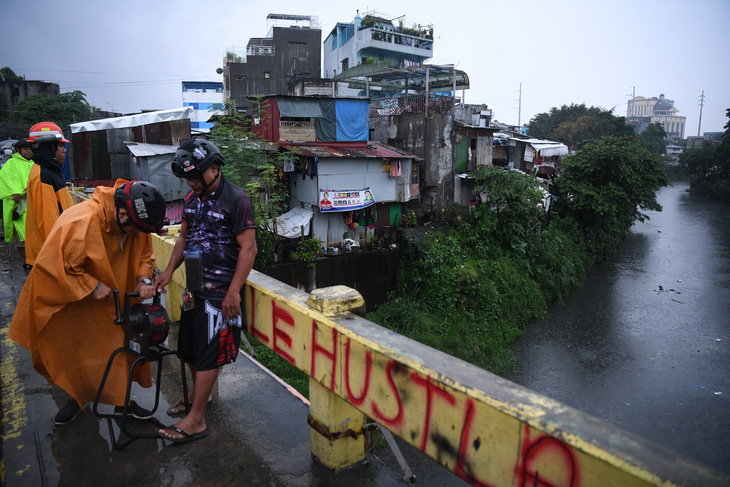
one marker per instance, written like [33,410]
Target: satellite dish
[219,70]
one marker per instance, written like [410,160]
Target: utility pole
[702,102]
[519,109]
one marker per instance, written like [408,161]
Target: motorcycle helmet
[144,204]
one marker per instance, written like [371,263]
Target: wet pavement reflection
[259,433]
[645,342]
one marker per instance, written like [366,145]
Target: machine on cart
[145,327]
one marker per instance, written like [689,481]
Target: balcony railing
[296,123]
[398,105]
[401,39]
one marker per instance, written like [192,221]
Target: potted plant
[307,251]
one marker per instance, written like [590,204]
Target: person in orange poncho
[47,195]
[65,313]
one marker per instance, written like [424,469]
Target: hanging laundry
[312,168]
[395,169]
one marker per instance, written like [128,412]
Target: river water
[645,342]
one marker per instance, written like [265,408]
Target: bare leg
[194,422]
[180,405]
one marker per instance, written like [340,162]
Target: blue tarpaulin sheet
[352,120]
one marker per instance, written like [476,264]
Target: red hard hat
[46,131]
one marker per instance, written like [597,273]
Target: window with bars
[297,49]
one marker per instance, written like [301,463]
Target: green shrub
[307,251]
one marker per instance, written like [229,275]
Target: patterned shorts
[205,339]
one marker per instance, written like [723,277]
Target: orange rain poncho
[44,202]
[70,335]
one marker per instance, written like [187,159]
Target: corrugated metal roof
[546,147]
[289,224]
[365,149]
[139,149]
[461,123]
[133,120]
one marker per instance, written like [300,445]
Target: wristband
[96,288]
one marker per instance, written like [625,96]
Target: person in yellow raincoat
[65,312]
[13,183]
[48,195]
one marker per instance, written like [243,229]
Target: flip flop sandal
[186,437]
[184,405]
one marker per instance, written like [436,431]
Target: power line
[100,72]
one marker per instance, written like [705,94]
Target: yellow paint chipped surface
[479,437]
[15,416]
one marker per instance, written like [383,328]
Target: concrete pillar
[336,433]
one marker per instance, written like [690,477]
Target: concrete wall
[485,429]
[430,139]
[12,92]
[249,78]
[309,86]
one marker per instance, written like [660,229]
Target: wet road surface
[645,342]
[259,434]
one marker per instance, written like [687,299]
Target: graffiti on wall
[478,442]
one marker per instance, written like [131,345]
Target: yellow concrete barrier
[483,428]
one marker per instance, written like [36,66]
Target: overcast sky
[133,55]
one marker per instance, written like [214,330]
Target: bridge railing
[483,428]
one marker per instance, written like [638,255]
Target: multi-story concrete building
[641,112]
[374,42]
[204,97]
[13,91]
[290,51]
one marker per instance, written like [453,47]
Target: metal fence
[398,105]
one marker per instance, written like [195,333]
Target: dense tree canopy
[605,186]
[578,124]
[709,167]
[723,150]
[9,75]
[254,167]
[64,109]
[654,136]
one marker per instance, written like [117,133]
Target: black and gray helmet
[194,156]
[144,203]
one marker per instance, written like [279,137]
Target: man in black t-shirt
[218,236]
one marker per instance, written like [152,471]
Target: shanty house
[132,147]
[98,149]
[353,187]
[529,154]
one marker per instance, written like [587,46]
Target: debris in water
[699,387]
